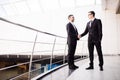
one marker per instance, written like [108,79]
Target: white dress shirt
[91,21]
[73,25]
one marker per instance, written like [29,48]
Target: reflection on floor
[111,71]
[63,73]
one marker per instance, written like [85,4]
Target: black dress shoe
[76,66]
[101,68]
[73,67]
[91,67]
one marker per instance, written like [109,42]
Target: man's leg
[100,55]
[70,62]
[91,55]
[71,52]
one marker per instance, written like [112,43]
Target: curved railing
[54,47]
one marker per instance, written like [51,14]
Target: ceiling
[16,7]
[19,7]
[112,5]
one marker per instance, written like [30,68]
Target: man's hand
[79,36]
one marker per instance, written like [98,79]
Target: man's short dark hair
[92,12]
[70,16]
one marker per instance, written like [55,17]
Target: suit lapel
[72,26]
[75,29]
[93,22]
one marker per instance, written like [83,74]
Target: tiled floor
[63,73]
[111,71]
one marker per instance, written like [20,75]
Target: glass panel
[2,11]
[98,1]
[84,2]
[67,3]
[50,4]
[22,7]
[10,9]
[34,5]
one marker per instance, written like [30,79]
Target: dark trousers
[91,52]
[71,53]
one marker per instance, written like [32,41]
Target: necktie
[90,23]
[74,27]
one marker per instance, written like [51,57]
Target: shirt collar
[71,22]
[92,19]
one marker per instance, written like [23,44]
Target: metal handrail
[34,52]
[33,70]
[5,68]
[58,62]
[28,63]
[27,27]
[19,75]
[31,57]
[30,41]
[34,44]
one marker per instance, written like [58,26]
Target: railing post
[30,64]
[64,53]
[52,53]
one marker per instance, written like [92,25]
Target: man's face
[71,18]
[90,16]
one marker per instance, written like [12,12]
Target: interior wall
[118,32]
[110,39]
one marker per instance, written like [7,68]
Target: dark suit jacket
[95,31]
[72,34]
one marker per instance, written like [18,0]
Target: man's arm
[85,32]
[77,35]
[100,29]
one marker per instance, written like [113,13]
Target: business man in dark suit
[94,28]
[72,37]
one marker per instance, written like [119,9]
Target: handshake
[79,36]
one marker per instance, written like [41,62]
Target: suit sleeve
[85,32]
[77,34]
[100,29]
